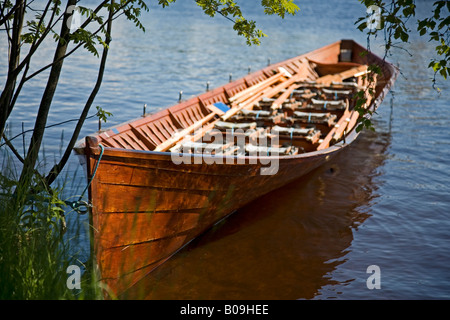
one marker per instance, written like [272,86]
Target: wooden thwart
[270,151]
[282,98]
[247,98]
[339,77]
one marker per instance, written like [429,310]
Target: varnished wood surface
[145,207]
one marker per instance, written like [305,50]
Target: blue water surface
[407,211]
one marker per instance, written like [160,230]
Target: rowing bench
[309,134]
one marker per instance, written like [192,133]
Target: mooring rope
[79,204]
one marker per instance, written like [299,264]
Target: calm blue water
[386,202]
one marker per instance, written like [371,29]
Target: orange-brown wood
[146,205]
[339,77]
[342,121]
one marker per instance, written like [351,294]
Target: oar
[263,84]
[279,101]
[267,94]
[179,135]
[216,109]
[246,93]
[219,109]
[326,142]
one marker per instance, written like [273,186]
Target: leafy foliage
[102,114]
[394,16]
[438,28]
[247,28]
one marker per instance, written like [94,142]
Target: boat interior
[299,106]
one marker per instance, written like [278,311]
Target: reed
[35,247]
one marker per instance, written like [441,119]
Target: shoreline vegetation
[36,252]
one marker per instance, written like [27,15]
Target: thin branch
[13,149]
[76,47]
[54,172]
[13,57]
[44,35]
[33,48]
[10,13]
[35,45]
[46,127]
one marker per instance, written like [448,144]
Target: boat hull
[147,205]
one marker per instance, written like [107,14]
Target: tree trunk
[14,59]
[54,172]
[44,107]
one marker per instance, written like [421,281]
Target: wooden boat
[158,182]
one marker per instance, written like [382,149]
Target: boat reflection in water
[284,245]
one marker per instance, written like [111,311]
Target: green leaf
[435,65]
[443,73]
[279,7]
[421,24]
[404,36]
[444,23]
[362,26]
[102,114]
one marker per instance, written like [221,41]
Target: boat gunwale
[349,137]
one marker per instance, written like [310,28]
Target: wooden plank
[326,142]
[147,131]
[183,119]
[197,112]
[175,120]
[269,150]
[300,64]
[169,125]
[120,141]
[339,77]
[190,113]
[269,93]
[278,88]
[279,101]
[131,139]
[110,143]
[151,126]
[252,89]
[250,95]
[198,134]
[178,136]
[149,143]
[340,129]
[160,127]
[353,119]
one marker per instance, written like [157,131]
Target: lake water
[384,202]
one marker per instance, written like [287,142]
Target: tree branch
[57,168]
[78,46]
[44,108]
[14,56]
[13,149]
[10,12]
[28,58]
